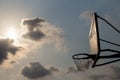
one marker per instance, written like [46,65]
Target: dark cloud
[37,29]
[35,70]
[34,35]
[41,31]
[33,29]
[32,23]
[6,46]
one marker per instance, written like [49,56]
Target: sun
[12,34]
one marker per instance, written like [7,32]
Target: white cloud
[39,31]
[86,15]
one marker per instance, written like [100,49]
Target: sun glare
[12,34]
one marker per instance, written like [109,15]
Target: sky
[39,37]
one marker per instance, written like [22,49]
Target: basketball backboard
[94,37]
[84,60]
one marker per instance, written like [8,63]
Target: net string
[82,64]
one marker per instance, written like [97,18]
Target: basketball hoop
[82,61]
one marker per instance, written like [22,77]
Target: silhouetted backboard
[94,36]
